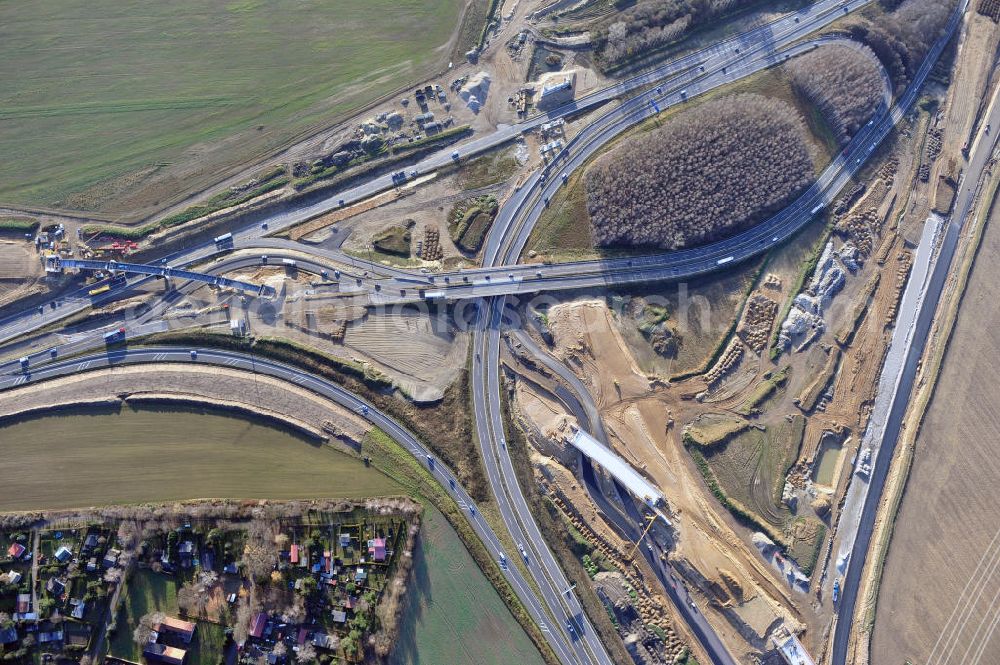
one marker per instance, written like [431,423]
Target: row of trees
[651,24]
[844,83]
[707,173]
[901,38]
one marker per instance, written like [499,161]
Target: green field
[117,105]
[150,592]
[82,459]
[452,613]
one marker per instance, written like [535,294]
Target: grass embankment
[763,391]
[490,169]
[746,472]
[810,395]
[18,225]
[711,432]
[270,181]
[372,163]
[395,240]
[145,82]
[445,425]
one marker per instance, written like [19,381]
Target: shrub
[652,24]
[707,173]
[842,82]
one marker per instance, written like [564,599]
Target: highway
[559,612]
[727,54]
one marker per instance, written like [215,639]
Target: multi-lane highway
[558,610]
[906,348]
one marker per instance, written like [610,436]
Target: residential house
[325,641]
[293,554]
[12,577]
[23,603]
[257,625]
[376,548]
[90,542]
[56,587]
[345,540]
[360,575]
[50,636]
[186,552]
[79,607]
[161,653]
[63,554]
[111,558]
[8,635]
[182,629]
[339,616]
[16,550]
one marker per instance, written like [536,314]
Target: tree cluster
[902,38]
[844,83]
[651,24]
[706,174]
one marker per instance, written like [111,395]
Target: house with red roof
[16,550]
[258,624]
[376,548]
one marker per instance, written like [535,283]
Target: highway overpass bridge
[58,264]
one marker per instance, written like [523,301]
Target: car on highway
[194,354]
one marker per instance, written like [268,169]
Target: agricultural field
[105,457]
[946,526]
[119,107]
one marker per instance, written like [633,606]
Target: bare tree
[306,654]
[147,624]
[842,82]
[259,554]
[707,173]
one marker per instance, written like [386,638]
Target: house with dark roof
[161,653]
[8,635]
[55,586]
